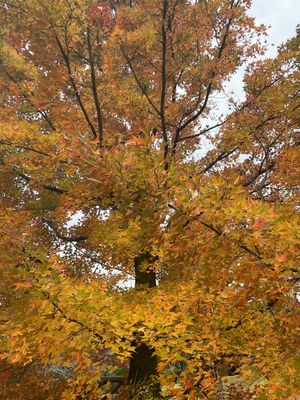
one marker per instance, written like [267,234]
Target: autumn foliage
[149,240]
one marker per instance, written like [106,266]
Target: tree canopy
[149,218]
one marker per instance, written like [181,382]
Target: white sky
[282,18]
[282,15]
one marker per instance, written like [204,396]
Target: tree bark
[143,363]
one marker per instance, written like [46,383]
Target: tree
[132,265]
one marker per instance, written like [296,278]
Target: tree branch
[164,76]
[74,85]
[51,188]
[209,87]
[18,146]
[71,319]
[94,86]
[60,236]
[27,98]
[139,83]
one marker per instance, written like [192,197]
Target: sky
[282,18]
[282,15]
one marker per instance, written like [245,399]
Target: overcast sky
[282,15]
[282,18]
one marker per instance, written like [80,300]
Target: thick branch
[94,86]
[164,75]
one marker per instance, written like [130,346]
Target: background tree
[130,266]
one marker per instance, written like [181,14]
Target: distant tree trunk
[143,363]
[142,276]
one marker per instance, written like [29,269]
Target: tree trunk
[143,363]
[146,277]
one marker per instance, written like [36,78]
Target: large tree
[150,240]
